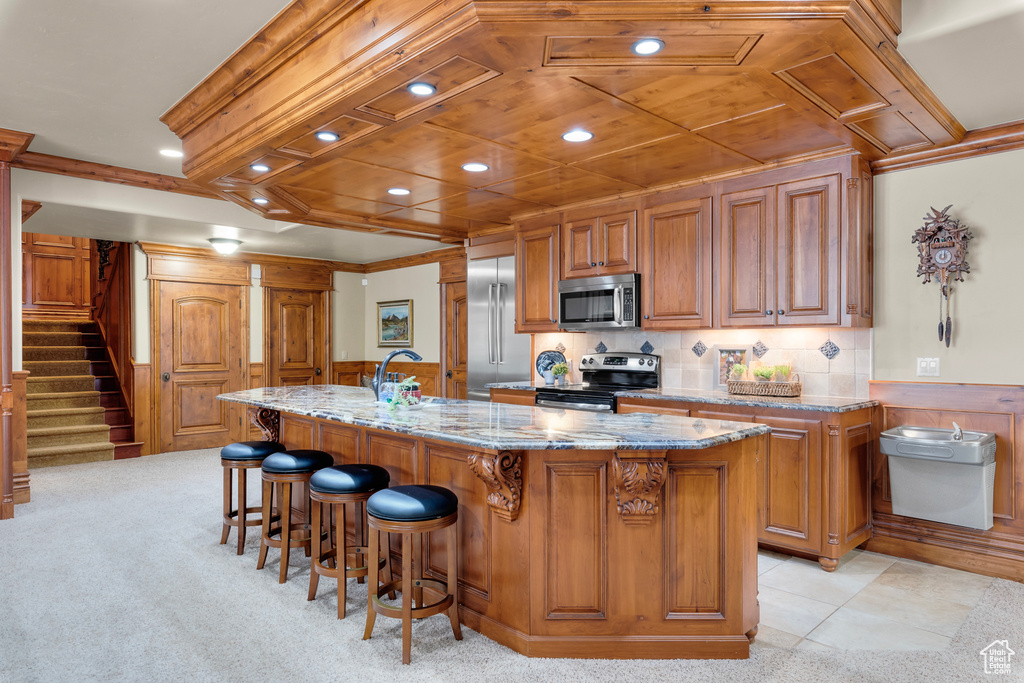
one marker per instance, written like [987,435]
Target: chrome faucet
[379,376]
[958,434]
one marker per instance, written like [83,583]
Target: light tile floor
[871,602]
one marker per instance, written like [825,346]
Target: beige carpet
[114,573]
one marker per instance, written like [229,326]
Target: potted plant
[560,370]
[782,373]
[765,373]
[407,393]
[737,371]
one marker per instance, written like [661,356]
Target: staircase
[74,406]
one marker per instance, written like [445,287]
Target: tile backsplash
[846,374]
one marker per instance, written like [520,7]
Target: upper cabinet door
[580,248]
[808,252]
[537,280]
[675,265]
[617,249]
[746,247]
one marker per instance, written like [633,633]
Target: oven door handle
[593,407]
[617,305]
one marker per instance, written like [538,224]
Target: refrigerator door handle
[617,305]
[491,323]
[502,289]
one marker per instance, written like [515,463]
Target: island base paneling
[585,553]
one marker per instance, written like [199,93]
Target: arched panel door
[200,356]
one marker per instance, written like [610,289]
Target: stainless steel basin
[934,443]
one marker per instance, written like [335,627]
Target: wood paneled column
[12,143]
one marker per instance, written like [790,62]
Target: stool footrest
[421,612]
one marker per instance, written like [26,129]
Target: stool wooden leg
[387,563]
[286,529]
[268,495]
[359,524]
[227,505]
[374,583]
[315,540]
[243,505]
[407,565]
[453,579]
[416,563]
[341,558]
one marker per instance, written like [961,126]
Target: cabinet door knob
[553,320]
[768,312]
[782,312]
[647,317]
[592,265]
[448,374]
[600,263]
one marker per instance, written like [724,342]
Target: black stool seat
[296,462]
[412,503]
[350,479]
[250,450]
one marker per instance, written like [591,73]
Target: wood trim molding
[19,441]
[13,144]
[28,209]
[416,260]
[1004,137]
[88,170]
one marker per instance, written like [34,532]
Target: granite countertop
[824,404]
[500,426]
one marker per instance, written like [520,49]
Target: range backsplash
[846,374]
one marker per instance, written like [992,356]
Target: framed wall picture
[725,357]
[394,323]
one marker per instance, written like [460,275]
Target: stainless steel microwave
[599,303]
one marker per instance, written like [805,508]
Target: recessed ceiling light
[578,135]
[259,200]
[260,168]
[647,46]
[399,191]
[177,154]
[327,136]
[224,245]
[422,89]
[475,167]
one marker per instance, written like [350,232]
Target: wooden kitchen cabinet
[779,249]
[674,243]
[604,244]
[516,397]
[813,483]
[537,274]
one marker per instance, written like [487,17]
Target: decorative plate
[547,359]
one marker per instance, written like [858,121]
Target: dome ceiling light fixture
[225,246]
[421,89]
[577,135]
[475,167]
[647,46]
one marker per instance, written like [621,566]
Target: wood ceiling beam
[416,260]
[28,209]
[13,143]
[1004,137]
[88,170]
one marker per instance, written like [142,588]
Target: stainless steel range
[603,375]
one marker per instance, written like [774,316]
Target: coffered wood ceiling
[740,86]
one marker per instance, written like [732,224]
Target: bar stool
[413,511]
[287,468]
[334,487]
[242,456]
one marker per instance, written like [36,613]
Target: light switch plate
[927,367]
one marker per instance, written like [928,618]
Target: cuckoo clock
[942,248]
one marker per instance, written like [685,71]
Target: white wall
[418,283]
[141,307]
[348,317]
[988,320]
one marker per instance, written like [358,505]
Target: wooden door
[617,248]
[295,348]
[789,484]
[201,353]
[808,252]
[746,247]
[580,248]
[675,265]
[537,280]
[455,342]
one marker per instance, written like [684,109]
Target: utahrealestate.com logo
[997,657]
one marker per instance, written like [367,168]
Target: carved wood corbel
[269,422]
[503,475]
[639,477]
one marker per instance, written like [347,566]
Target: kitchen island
[581,535]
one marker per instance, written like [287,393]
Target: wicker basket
[788,389]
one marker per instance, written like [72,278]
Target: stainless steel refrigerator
[496,353]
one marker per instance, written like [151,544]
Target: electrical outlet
[344,355]
[927,367]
